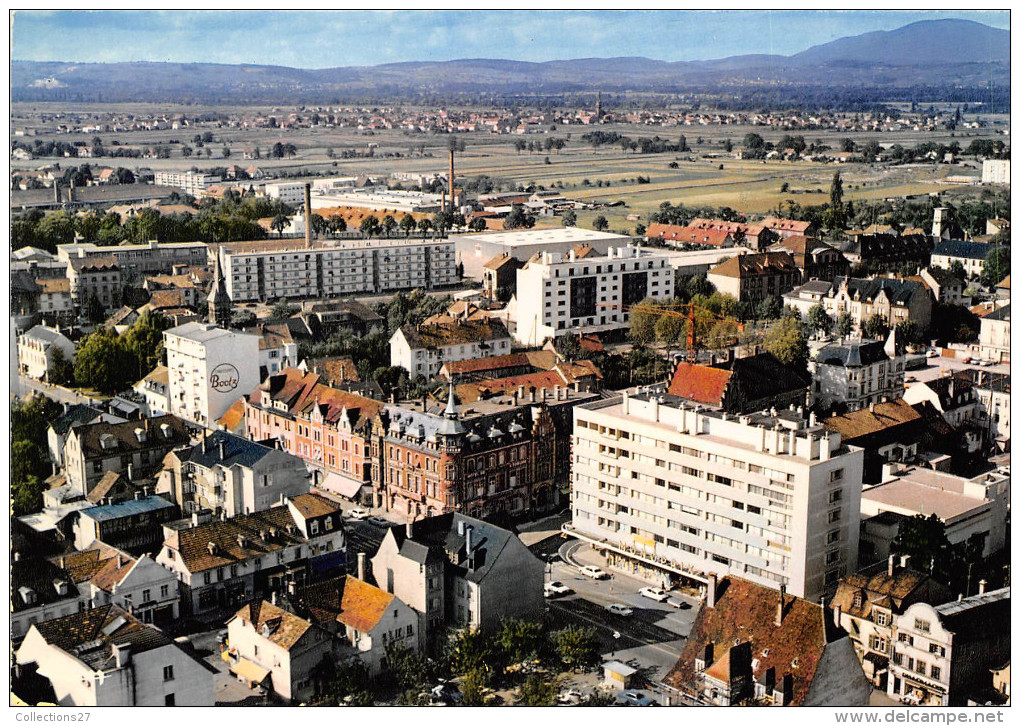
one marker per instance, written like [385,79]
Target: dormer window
[858,599]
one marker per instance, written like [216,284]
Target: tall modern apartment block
[669,491]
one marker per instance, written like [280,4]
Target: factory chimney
[308,216]
[453,194]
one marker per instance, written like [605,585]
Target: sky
[325,39]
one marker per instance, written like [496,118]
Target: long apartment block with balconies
[672,492]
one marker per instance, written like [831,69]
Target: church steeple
[219,300]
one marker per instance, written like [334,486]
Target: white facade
[561,294]
[194,183]
[994,336]
[681,492]
[427,361]
[290,193]
[148,590]
[209,369]
[36,349]
[272,270]
[474,250]
[995,171]
[382,200]
[856,374]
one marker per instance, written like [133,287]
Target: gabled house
[857,373]
[814,258]
[741,385]
[894,301]
[755,277]
[752,645]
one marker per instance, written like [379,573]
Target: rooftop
[924,491]
[558,235]
[202,332]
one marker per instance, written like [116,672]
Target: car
[357,514]
[555,589]
[379,521]
[595,573]
[446,693]
[654,593]
[569,697]
[678,603]
[618,608]
[221,637]
[632,697]
[932,354]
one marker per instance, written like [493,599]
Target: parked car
[569,697]
[357,514]
[654,593]
[446,693]
[556,589]
[678,603]
[379,521]
[595,573]
[618,608]
[932,353]
[631,697]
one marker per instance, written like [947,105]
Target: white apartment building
[994,336]
[474,250]
[194,183]
[139,260]
[381,200]
[856,373]
[209,368]
[566,293]
[673,491]
[275,269]
[290,193]
[995,171]
[424,349]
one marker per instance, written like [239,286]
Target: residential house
[690,235]
[135,448]
[994,337]
[137,584]
[155,389]
[107,657]
[221,564]
[325,319]
[494,366]
[752,278]
[856,373]
[278,650]
[804,297]
[459,571]
[422,350]
[55,303]
[95,276]
[788,227]
[741,385]
[135,524]
[969,254]
[867,602]
[366,618]
[78,414]
[888,431]
[499,277]
[40,590]
[326,427]
[945,287]
[38,350]
[751,644]
[993,394]
[894,301]
[942,653]
[582,376]
[956,400]
[815,259]
[231,475]
[889,251]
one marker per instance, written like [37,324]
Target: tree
[282,310]
[226,152]
[671,330]
[472,688]
[835,215]
[769,309]
[577,647]
[407,224]
[519,640]
[61,370]
[30,465]
[56,228]
[956,270]
[351,683]
[470,650]
[787,342]
[518,218]
[94,311]
[996,266]
[600,223]
[875,327]
[279,223]
[819,319]
[477,224]
[642,324]
[537,690]
[389,224]
[369,226]
[104,362]
[424,225]
[909,333]
[411,671]
[844,325]
[569,218]
[144,340]
[924,540]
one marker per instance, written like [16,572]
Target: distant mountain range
[928,58]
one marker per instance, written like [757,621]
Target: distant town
[424,404]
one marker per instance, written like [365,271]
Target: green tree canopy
[104,362]
[844,325]
[600,223]
[785,340]
[819,319]
[996,266]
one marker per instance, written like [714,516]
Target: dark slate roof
[898,291]
[75,415]
[962,248]
[853,354]
[42,578]
[438,536]
[129,508]
[1000,314]
[237,451]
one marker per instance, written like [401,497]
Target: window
[164,590]
[169,700]
[922,626]
[836,475]
[881,618]
[168,673]
[936,673]
[834,516]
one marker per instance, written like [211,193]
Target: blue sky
[306,39]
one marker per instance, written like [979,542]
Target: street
[58,394]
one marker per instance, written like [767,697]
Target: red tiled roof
[700,383]
[688,235]
[786,225]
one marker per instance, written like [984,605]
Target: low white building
[139,585]
[424,349]
[37,348]
[994,336]
[806,296]
[209,369]
[192,182]
[971,255]
[107,657]
[155,389]
[570,293]
[995,171]
[974,507]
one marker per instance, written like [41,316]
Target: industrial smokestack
[308,216]
[453,194]
[361,565]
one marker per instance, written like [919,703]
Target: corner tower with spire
[220,305]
